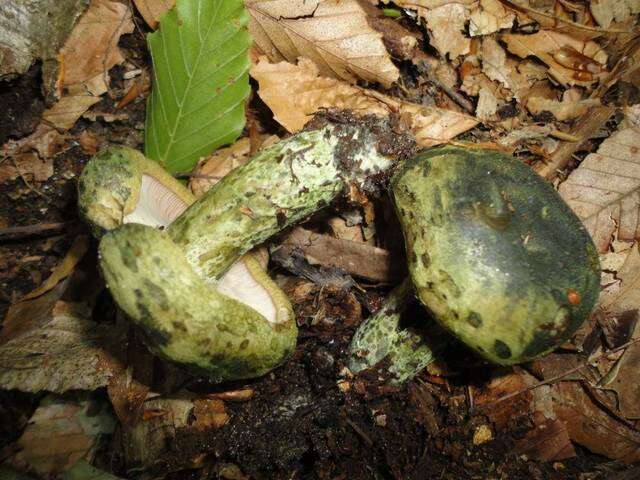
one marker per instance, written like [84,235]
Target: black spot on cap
[502,349]
[474,319]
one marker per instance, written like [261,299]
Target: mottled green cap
[183,318]
[494,252]
[111,187]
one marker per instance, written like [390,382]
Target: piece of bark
[359,259]
[35,29]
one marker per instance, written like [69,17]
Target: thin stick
[40,229]
[562,375]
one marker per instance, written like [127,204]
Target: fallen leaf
[360,259]
[547,441]
[503,382]
[242,395]
[152,10]
[60,433]
[28,165]
[334,34]
[446,25]
[604,191]
[64,269]
[85,59]
[67,351]
[592,427]
[623,294]
[570,61]
[497,66]
[567,109]
[295,92]
[92,48]
[209,413]
[584,129]
[561,24]
[401,42]
[211,169]
[624,378]
[490,16]
[89,142]
[606,11]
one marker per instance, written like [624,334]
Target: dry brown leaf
[61,432]
[209,413]
[295,92]
[570,61]
[447,25]
[497,66]
[547,441]
[28,165]
[88,54]
[604,190]
[606,11]
[212,168]
[591,426]
[332,33]
[152,10]
[624,377]
[92,47]
[64,269]
[560,23]
[572,105]
[489,17]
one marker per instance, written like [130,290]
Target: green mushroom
[198,300]
[494,254]
[120,186]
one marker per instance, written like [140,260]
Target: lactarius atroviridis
[198,300]
[493,252]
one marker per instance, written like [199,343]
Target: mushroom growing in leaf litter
[181,285]
[120,186]
[494,253]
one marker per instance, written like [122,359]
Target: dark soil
[305,421]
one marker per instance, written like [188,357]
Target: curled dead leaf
[604,190]
[334,34]
[570,61]
[295,92]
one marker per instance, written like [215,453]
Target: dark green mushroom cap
[494,252]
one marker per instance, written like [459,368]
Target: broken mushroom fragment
[494,253]
[120,186]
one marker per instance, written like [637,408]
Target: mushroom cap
[120,185]
[494,252]
[182,317]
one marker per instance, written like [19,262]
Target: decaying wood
[358,259]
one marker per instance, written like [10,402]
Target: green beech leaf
[200,82]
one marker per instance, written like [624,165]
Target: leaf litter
[555,83]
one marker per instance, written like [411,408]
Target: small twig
[561,375]
[40,229]
[360,432]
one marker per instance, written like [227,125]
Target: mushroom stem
[280,186]
[380,337]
